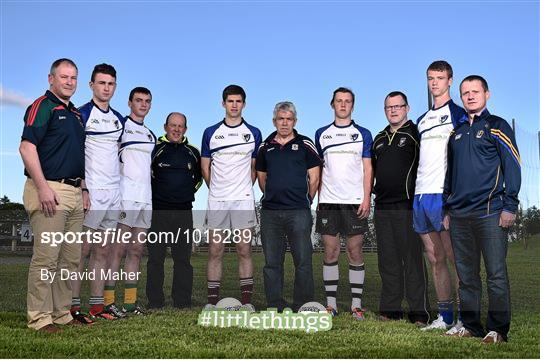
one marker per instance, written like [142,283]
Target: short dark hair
[177,113]
[58,62]
[397,93]
[441,65]
[139,89]
[234,90]
[473,78]
[343,90]
[103,69]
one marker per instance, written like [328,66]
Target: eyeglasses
[394,107]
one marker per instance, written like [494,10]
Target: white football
[312,307]
[229,304]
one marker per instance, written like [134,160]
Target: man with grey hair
[284,162]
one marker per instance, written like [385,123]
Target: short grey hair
[284,106]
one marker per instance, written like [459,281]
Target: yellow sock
[130,294]
[108,295]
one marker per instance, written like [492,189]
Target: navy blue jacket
[484,173]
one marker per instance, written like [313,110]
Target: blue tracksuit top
[484,174]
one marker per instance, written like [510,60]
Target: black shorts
[340,218]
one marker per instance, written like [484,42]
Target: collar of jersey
[163,138]
[232,127]
[53,98]
[344,126]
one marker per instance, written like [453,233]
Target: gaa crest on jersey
[246,137]
[353,137]
[443,119]
[149,137]
[324,221]
[294,147]
[122,215]
[402,142]
[479,134]
[117,124]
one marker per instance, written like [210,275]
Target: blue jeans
[278,227]
[472,238]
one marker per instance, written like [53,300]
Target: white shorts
[232,214]
[104,209]
[136,214]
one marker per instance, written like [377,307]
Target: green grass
[175,334]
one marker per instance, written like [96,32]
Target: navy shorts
[428,213]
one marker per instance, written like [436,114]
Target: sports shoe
[80,318]
[138,310]
[209,307]
[247,307]
[115,311]
[493,337]
[437,324]
[462,333]
[455,329]
[50,329]
[358,314]
[104,315]
[331,311]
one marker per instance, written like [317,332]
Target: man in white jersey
[344,197]
[229,150]
[434,128]
[136,145]
[103,126]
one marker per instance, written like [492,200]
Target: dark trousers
[175,222]
[278,227]
[471,239]
[401,263]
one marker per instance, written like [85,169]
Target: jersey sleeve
[36,120]
[205,146]
[507,148]
[368,143]
[258,140]
[458,114]
[312,156]
[318,134]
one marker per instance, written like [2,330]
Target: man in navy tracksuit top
[481,199]
[176,176]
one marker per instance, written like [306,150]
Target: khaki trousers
[49,299]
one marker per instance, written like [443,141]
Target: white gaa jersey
[136,146]
[434,128]
[230,150]
[343,148]
[103,129]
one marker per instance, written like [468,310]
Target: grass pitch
[174,333]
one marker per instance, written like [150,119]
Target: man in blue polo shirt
[284,161]
[481,199]
[52,149]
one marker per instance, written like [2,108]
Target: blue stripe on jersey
[207,136]
[122,146]
[228,146]
[85,111]
[102,132]
[433,127]
[318,135]
[368,140]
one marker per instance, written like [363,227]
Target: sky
[186,52]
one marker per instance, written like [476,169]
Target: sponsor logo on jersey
[341,134]
[402,142]
[232,134]
[189,166]
[443,119]
[94,121]
[432,117]
[61,117]
[163,164]
[219,137]
[479,134]
[324,221]
[458,136]
[354,137]
[294,147]
[129,131]
[246,137]
[327,136]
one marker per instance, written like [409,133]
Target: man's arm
[253,170]
[365,207]
[261,176]
[205,170]
[314,175]
[47,197]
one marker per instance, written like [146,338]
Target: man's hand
[507,219]
[86,201]
[48,200]
[446,222]
[364,209]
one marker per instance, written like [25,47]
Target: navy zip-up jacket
[176,174]
[484,172]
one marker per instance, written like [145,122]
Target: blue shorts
[428,213]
